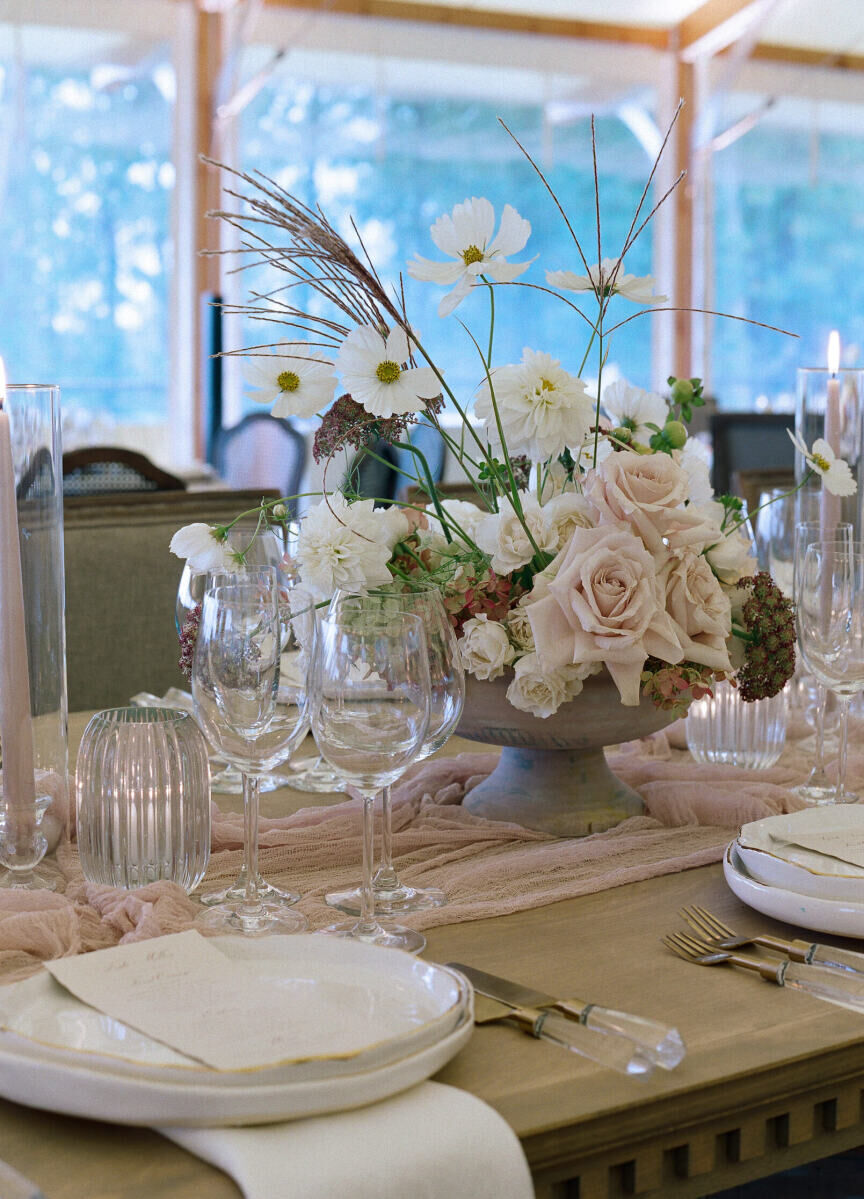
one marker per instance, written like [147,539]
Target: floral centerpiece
[593,542]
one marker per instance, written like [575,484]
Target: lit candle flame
[833,352]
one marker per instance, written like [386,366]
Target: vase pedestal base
[564,792]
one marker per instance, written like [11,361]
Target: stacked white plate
[365,1023]
[806,868]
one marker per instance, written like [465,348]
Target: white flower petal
[454,298]
[429,271]
[569,281]
[512,235]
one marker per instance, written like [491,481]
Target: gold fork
[843,989]
[713,929]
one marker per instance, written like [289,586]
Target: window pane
[396,162]
[789,251]
[85,218]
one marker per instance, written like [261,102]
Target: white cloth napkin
[432,1142]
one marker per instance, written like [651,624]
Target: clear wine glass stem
[251,797]
[386,878]
[367,925]
[843,748]
[821,706]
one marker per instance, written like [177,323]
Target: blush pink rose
[605,604]
[699,608]
[645,490]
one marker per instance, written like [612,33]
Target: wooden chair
[108,470]
[262,451]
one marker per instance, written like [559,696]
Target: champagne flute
[831,630]
[817,788]
[246,629]
[447,680]
[370,719]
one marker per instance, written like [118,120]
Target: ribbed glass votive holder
[143,798]
[724,730]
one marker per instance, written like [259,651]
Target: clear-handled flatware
[662,1044]
[709,926]
[615,1052]
[844,989]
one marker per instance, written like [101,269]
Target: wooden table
[772,1078]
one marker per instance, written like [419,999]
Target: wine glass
[247,629]
[831,630]
[261,548]
[447,680]
[370,719]
[817,788]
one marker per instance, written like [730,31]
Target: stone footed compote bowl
[553,774]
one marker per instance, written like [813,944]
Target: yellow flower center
[547,385]
[823,463]
[288,381]
[472,254]
[388,372]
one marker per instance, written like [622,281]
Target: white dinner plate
[365,1022]
[768,850]
[844,918]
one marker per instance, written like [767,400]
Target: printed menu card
[182,991]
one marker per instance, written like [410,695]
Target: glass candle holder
[143,798]
[34,784]
[830,404]
[724,730]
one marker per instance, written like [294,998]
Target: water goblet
[370,719]
[817,788]
[247,628]
[268,547]
[831,630]
[447,680]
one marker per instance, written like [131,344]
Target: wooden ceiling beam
[716,25]
[483,18]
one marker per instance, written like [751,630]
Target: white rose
[694,461]
[565,513]
[700,609]
[503,537]
[536,690]
[465,515]
[485,648]
[518,625]
[731,554]
[642,489]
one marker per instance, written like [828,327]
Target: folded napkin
[432,1142]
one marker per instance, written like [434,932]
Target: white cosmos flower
[204,547]
[542,408]
[833,471]
[466,235]
[295,386]
[632,408]
[373,371]
[346,545]
[637,288]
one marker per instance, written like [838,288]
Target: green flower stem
[599,388]
[491,320]
[785,495]
[433,493]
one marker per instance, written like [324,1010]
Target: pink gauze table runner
[486,868]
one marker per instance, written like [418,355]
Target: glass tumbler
[723,730]
[143,798]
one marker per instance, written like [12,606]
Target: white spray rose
[485,648]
